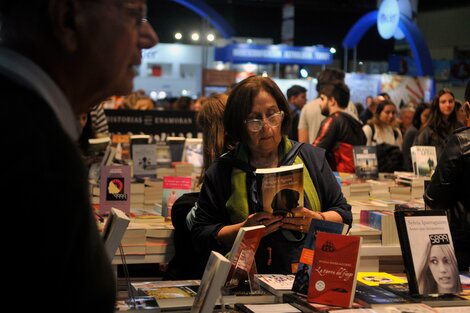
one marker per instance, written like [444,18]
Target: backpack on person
[389,157]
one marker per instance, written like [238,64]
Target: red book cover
[242,254]
[334,269]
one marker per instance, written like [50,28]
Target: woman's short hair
[240,103]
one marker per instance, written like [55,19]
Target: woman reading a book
[439,272]
[257,117]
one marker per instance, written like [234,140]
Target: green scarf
[237,204]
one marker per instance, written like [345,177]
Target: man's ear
[63,17]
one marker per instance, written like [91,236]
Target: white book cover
[428,252]
[213,279]
[144,157]
[424,160]
[113,231]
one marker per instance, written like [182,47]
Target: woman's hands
[272,222]
[300,219]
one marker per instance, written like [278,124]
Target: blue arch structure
[412,34]
[205,11]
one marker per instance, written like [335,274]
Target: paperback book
[365,162]
[377,278]
[173,188]
[113,231]
[424,160]
[115,187]
[144,157]
[213,279]
[242,258]
[428,252]
[334,269]
[277,284]
[280,189]
[302,276]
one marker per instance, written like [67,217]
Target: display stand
[242,279]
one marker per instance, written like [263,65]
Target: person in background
[420,118]
[257,116]
[381,131]
[406,117]
[439,272]
[367,114]
[183,103]
[339,132]
[382,127]
[448,189]
[297,97]
[310,116]
[210,121]
[441,124]
[57,60]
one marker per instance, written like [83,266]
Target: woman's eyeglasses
[273,120]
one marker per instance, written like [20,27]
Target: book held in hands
[280,189]
[428,252]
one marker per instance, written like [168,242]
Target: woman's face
[268,138]
[387,115]
[446,105]
[424,116]
[442,269]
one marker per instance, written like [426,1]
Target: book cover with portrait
[428,252]
[334,269]
[115,188]
[280,189]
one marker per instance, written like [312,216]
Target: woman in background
[210,120]
[442,122]
[419,120]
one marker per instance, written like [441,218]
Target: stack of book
[355,189]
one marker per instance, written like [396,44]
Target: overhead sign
[244,53]
[159,123]
[388,18]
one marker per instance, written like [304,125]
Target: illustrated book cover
[192,152]
[173,188]
[113,231]
[377,278]
[424,160]
[170,295]
[365,162]
[302,276]
[144,157]
[115,188]
[280,189]
[242,257]
[334,269]
[277,284]
[213,279]
[428,252]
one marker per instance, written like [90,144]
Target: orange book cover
[334,269]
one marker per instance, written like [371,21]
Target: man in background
[59,58]
[310,116]
[297,97]
[339,132]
